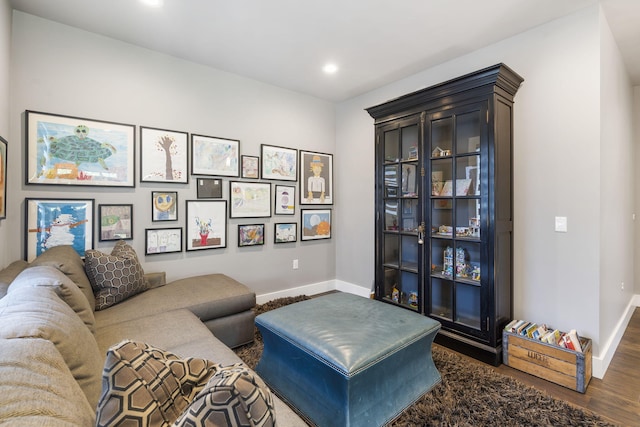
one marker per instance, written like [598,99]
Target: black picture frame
[115,222]
[209,188]
[251,235]
[206,224]
[164,206]
[164,156]
[159,241]
[285,232]
[3,177]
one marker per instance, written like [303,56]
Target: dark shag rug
[470,394]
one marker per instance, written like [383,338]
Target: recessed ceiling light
[152,3]
[330,68]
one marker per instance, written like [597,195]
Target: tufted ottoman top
[346,331]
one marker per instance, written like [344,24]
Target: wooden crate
[569,368]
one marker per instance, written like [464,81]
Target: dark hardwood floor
[616,397]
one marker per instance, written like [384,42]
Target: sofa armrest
[156,279]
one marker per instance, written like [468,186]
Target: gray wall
[60,69]
[5,55]
[562,167]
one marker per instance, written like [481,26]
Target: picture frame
[250,235]
[250,167]
[315,224]
[209,188]
[215,156]
[54,222]
[164,156]
[3,177]
[316,178]
[162,240]
[115,222]
[206,224]
[279,163]
[285,232]
[285,200]
[249,199]
[57,152]
[164,206]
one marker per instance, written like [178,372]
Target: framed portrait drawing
[164,156]
[279,163]
[250,199]
[162,240]
[206,224]
[251,167]
[316,178]
[215,156]
[115,222]
[77,151]
[56,222]
[285,200]
[315,224]
[164,206]
[3,178]
[209,188]
[285,232]
[250,234]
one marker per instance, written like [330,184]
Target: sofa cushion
[67,260]
[9,273]
[233,397]
[51,277]
[31,312]
[150,385]
[114,277]
[37,388]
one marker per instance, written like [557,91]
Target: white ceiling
[286,42]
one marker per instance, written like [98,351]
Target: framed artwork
[3,178]
[285,232]
[115,222]
[250,199]
[56,222]
[76,151]
[316,224]
[316,178]
[250,235]
[209,188]
[215,156]
[279,163]
[163,156]
[285,200]
[251,167]
[206,224]
[162,240]
[164,205]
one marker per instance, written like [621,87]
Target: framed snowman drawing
[57,222]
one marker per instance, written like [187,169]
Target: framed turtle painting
[67,150]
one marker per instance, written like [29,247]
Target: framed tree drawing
[316,180]
[115,222]
[56,222]
[279,163]
[162,240]
[77,151]
[3,178]
[250,234]
[215,156]
[163,156]
[316,224]
[206,224]
[250,199]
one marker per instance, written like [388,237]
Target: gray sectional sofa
[53,342]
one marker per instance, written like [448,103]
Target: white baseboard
[602,361]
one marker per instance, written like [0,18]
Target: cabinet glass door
[455,218]
[402,216]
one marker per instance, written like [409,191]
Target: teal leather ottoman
[344,360]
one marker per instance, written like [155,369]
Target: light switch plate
[561,224]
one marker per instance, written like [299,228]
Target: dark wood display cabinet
[444,207]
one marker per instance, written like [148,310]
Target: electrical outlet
[295,264]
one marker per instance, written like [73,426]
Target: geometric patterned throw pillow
[146,386]
[114,277]
[233,397]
